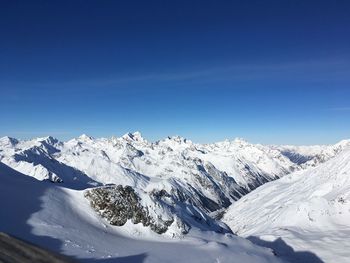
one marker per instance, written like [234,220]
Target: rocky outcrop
[171,212]
[118,204]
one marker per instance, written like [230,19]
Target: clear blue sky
[267,71]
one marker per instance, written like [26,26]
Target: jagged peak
[9,140]
[228,142]
[85,137]
[48,139]
[341,146]
[343,143]
[179,139]
[135,136]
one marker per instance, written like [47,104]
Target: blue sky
[267,71]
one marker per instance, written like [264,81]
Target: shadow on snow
[286,252]
[21,197]
[127,259]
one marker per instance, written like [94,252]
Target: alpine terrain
[130,200]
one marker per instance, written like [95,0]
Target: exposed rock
[119,204]
[161,211]
[18,251]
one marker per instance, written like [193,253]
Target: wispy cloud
[260,74]
[234,71]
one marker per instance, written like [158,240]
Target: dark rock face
[17,251]
[118,204]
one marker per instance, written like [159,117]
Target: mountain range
[140,201]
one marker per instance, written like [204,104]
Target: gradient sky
[268,71]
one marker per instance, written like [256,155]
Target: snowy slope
[62,220]
[309,210]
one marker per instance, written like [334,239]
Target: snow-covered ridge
[311,156]
[309,209]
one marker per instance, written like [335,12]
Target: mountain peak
[136,136]
[85,137]
[49,139]
[179,139]
[343,143]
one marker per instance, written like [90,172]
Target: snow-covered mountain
[205,178]
[172,189]
[309,210]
